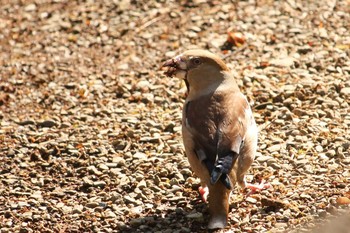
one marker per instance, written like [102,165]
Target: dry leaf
[236,38]
[343,200]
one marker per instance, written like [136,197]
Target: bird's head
[199,68]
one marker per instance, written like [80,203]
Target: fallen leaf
[236,38]
[343,200]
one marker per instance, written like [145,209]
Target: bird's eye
[196,61]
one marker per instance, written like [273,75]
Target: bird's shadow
[172,219]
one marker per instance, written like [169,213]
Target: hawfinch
[218,128]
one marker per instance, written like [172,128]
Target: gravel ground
[90,135]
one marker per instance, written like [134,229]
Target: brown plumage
[218,128]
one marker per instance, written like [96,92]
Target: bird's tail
[219,197]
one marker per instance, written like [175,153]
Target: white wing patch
[186,123]
[201,155]
[247,110]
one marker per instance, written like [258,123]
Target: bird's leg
[257,187]
[204,191]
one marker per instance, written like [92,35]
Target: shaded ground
[90,127]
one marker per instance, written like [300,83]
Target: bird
[218,129]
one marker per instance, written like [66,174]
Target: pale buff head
[201,70]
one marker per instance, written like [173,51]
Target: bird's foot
[257,187]
[204,192]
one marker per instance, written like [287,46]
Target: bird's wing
[218,123]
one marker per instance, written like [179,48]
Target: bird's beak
[174,65]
